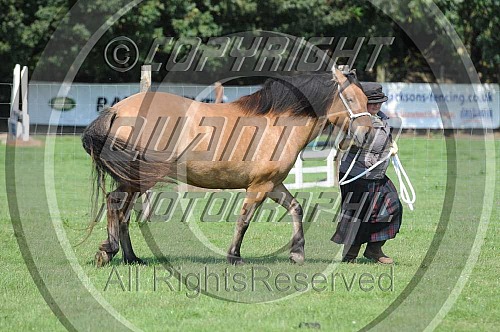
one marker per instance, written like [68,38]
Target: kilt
[371,212]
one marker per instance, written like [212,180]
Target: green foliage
[26,28]
[477,22]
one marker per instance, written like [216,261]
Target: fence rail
[299,170]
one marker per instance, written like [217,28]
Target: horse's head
[348,108]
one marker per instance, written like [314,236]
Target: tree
[26,27]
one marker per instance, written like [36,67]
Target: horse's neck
[318,128]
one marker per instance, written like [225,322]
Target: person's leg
[374,251]
[387,225]
[350,228]
[350,253]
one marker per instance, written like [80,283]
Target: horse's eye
[349,100]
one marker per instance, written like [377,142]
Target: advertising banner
[418,105]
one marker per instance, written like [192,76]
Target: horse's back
[151,104]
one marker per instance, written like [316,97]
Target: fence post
[145,86]
[24,110]
[299,175]
[14,103]
[330,169]
[219,92]
[19,121]
[145,78]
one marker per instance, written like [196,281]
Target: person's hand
[394,148]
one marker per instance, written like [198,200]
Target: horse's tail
[93,140]
[115,157]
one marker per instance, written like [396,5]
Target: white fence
[299,170]
[19,121]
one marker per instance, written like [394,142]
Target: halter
[352,116]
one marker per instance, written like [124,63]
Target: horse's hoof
[135,260]
[101,258]
[233,260]
[297,258]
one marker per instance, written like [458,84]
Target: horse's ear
[334,74]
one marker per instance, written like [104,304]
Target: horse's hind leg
[118,213]
[252,201]
[282,196]
[109,247]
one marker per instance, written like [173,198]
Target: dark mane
[302,95]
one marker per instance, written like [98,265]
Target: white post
[19,122]
[145,78]
[24,113]
[145,86]
[219,92]
[14,104]
[330,168]
[299,175]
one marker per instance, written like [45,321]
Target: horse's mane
[302,95]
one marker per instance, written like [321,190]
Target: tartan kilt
[371,212]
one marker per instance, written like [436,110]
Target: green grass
[23,308]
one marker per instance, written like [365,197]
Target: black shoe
[350,253]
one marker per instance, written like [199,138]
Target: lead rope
[400,172]
[403,189]
[344,181]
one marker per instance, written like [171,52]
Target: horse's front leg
[282,196]
[253,199]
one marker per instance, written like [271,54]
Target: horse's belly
[227,175]
[217,175]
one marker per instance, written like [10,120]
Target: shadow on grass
[207,260]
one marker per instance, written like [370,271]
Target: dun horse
[249,144]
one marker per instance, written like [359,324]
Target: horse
[251,144]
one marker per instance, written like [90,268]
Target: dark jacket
[370,155]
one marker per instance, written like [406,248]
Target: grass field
[192,247]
